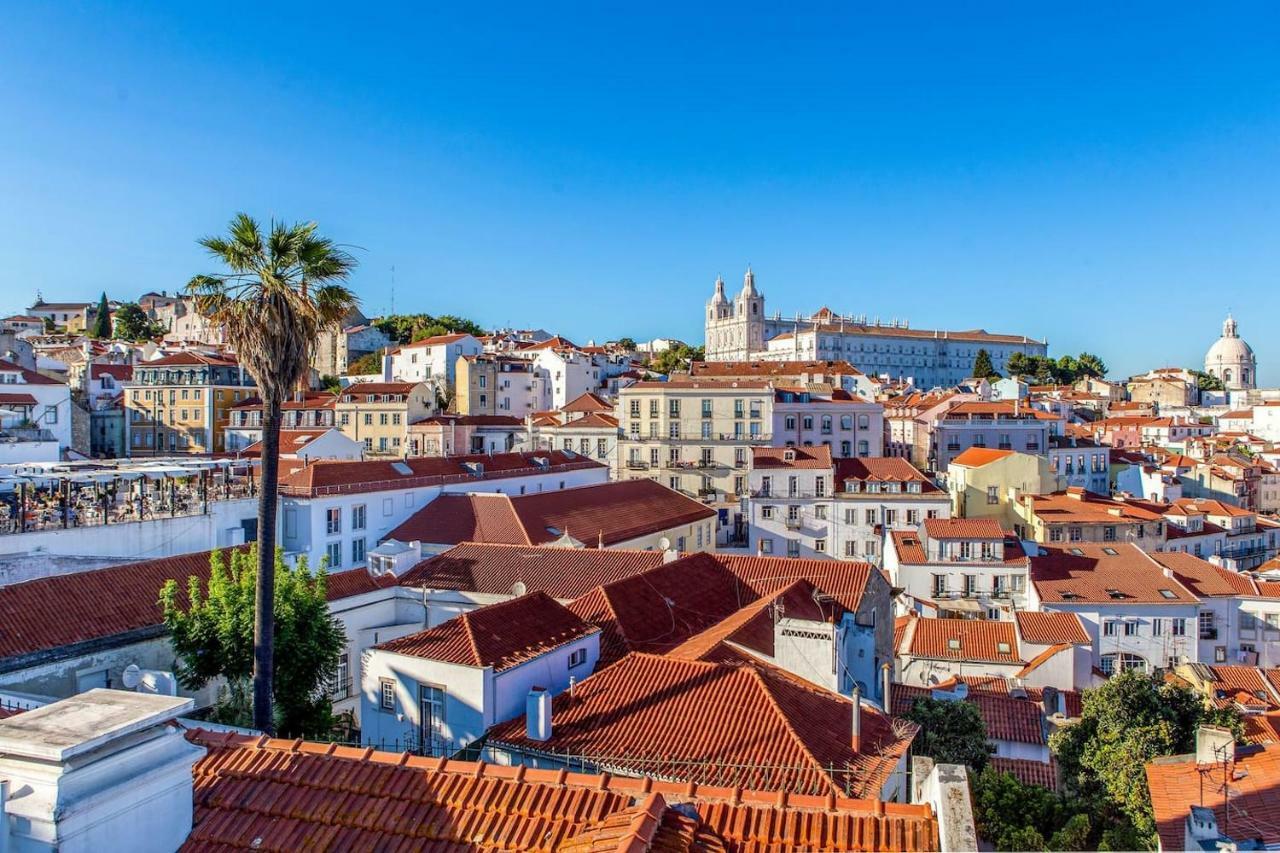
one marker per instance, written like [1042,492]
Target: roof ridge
[469,630]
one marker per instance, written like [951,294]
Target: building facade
[182,403]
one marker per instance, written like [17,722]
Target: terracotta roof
[1006,717]
[608,512]
[1244,685]
[500,635]
[963,528]
[594,420]
[976,457]
[1084,507]
[29,377]
[771,368]
[123,372]
[587,402]
[1204,578]
[364,390]
[309,400]
[470,420]
[1027,771]
[1177,783]
[563,573]
[1118,574]
[294,795]
[1046,629]
[17,400]
[752,626]
[437,339]
[49,613]
[884,469]
[334,476]
[748,724]
[709,385]
[979,640]
[1210,506]
[791,457]
[187,359]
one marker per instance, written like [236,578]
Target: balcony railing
[792,523]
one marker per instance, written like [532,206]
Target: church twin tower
[735,329]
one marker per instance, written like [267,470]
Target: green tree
[366,365]
[330,384]
[102,319]
[1019,364]
[1013,815]
[982,367]
[1090,365]
[628,344]
[133,324]
[1129,720]
[279,291]
[212,632]
[1073,835]
[1207,381]
[951,732]
[406,328]
[676,359]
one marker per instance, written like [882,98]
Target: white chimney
[537,715]
[1214,745]
[856,740]
[886,675]
[102,770]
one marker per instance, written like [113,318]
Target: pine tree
[982,367]
[102,322]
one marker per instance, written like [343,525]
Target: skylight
[1111,551]
[1168,593]
[953,644]
[1003,648]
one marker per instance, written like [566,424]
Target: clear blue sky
[1108,178]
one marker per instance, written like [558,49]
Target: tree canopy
[676,359]
[982,367]
[1013,815]
[1207,381]
[212,634]
[366,365]
[102,319]
[406,328]
[1065,370]
[1127,721]
[951,732]
[133,324]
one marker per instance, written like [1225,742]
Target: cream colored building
[378,414]
[693,436]
[988,483]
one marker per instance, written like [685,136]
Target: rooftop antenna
[393,288]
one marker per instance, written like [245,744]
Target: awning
[961,605]
[17,400]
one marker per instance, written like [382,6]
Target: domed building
[1232,360]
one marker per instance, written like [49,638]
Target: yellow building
[181,403]
[988,483]
[378,414]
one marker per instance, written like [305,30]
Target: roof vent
[402,469]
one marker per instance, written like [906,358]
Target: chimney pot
[538,715]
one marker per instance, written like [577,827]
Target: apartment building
[1075,515]
[989,483]
[309,410]
[1003,425]
[961,567]
[489,384]
[181,403]
[378,414]
[432,360]
[850,425]
[804,503]
[694,436]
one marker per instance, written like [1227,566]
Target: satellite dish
[132,676]
[518,588]
[664,543]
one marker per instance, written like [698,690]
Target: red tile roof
[587,402]
[437,339]
[983,640]
[17,400]
[356,582]
[293,795]
[49,613]
[1047,629]
[500,635]
[713,723]
[1204,578]
[594,420]
[752,626]
[1027,771]
[963,528]
[364,390]
[711,369]
[563,573]
[1177,783]
[192,358]
[884,469]
[609,512]
[1088,573]
[791,457]
[29,377]
[976,457]
[123,372]
[337,477]
[1006,717]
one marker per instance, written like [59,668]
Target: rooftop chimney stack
[886,677]
[856,741]
[1214,745]
[537,715]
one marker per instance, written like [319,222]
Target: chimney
[100,766]
[537,715]
[1215,745]
[856,740]
[886,678]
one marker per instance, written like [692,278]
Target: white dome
[1231,359]
[1229,351]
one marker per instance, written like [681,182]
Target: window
[1113,663]
[939,585]
[766,511]
[333,552]
[333,520]
[993,494]
[358,514]
[820,545]
[431,721]
[386,694]
[766,546]
[1110,628]
[1207,629]
[793,548]
[913,517]
[577,658]
[1073,533]
[851,549]
[870,516]
[357,550]
[51,414]
[1131,629]
[340,676]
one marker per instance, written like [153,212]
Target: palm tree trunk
[264,592]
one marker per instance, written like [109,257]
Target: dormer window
[789,455]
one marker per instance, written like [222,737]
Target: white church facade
[739,330]
[1232,360]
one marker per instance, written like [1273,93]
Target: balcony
[637,465]
[792,523]
[706,493]
[955,445]
[1005,445]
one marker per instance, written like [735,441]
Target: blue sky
[1105,177]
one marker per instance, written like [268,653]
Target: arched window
[1226,375]
[1244,375]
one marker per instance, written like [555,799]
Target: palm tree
[280,290]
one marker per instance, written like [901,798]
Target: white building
[740,331]
[433,360]
[339,510]
[35,416]
[964,567]
[440,689]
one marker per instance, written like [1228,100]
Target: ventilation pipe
[886,679]
[856,740]
[537,714]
